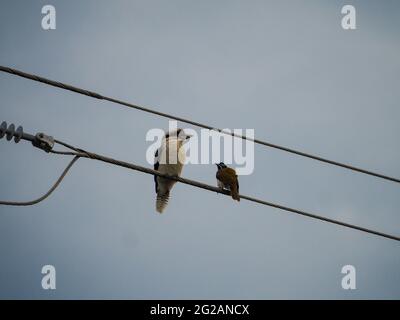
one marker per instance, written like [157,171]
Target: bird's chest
[172,158]
[171,169]
[222,185]
[225,178]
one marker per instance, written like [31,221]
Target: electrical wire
[194,123]
[48,193]
[78,153]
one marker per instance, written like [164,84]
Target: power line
[83,153]
[78,153]
[41,141]
[194,123]
[47,194]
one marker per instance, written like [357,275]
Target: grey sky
[284,68]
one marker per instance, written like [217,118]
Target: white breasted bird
[169,159]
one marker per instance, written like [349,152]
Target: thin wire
[78,153]
[194,123]
[85,154]
[48,193]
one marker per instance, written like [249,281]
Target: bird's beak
[185,138]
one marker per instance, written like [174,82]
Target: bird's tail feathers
[162,201]
[235,193]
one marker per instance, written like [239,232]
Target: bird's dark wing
[237,182]
[156,165]
[217,175]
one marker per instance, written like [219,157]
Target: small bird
[169,159]
[227,179]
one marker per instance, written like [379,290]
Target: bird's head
[221,165]
[179,134]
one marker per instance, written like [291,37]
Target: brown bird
[227,179]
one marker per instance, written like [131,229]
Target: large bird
[227,179]
[169,159]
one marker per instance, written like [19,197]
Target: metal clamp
[43,142]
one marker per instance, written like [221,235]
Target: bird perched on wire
[169,159]
[227,179]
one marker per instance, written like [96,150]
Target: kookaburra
[169,159]
[227,179]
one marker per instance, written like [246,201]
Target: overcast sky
[283,68]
